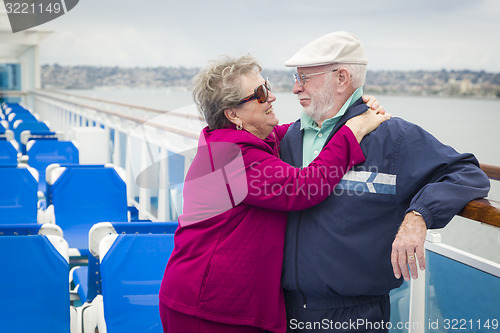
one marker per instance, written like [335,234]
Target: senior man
[343,256]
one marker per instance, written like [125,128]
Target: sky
[397,34]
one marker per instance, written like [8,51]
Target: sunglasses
[261,93]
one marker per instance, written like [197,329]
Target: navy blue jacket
[342,246]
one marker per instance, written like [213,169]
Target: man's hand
[409,246]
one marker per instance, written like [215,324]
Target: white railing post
[144,192]
[117,153]
[163,191]
[417,294]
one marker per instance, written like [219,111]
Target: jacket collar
[296,135]
[354,110]
[295,142]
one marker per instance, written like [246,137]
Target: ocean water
[468,125]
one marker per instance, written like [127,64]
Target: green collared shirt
[314,136]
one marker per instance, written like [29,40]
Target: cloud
[120,47]
[397,34]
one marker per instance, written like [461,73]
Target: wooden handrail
[484,211]
[12,93]
[492,171]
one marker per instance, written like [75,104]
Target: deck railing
[140,120]
[483,210]
[435,292]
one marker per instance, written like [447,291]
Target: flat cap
[335,47]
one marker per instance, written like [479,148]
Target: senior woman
[224,273]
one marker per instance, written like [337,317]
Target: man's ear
[232,116]
[344,77]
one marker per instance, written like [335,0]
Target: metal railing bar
[133,106]
[138,120]
[464,257]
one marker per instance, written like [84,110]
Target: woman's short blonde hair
[217,87]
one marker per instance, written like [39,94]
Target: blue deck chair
[35,126]
[27,136]
[4,125]
[87,278]
[34,279]
[8,153]
[31,126]
[14,118]
[18,195]
[13,107]
[132,267]
[45,152]
[3,129]
[85,195]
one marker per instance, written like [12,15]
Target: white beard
[321,103]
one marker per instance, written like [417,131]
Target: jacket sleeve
[436,180]
[274,184]
[281,130]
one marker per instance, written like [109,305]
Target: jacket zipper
[298,229]
[297,261]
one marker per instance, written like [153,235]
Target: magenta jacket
[226,264]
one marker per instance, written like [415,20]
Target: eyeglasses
[261,93]
[302,77]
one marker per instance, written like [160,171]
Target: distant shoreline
[443,83]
